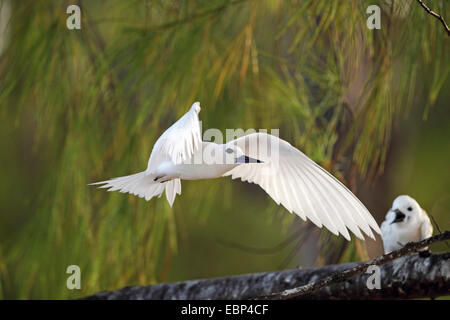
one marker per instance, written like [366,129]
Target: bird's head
[406,210]
[234,154]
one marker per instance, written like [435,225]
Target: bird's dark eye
[409,209]
[229,150]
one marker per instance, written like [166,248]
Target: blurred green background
[78,106]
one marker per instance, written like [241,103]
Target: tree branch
[408,277]
[436,15]
[342,276]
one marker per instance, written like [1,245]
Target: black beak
[245,159]
[399,216]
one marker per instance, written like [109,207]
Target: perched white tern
[405,222]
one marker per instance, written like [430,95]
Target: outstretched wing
[179,141]
[302,186]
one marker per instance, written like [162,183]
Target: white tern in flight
[285,173]
[405,222]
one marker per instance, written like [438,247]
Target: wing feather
[302,186]
[180,141]
[321,210]
[292,187]
[308,207]
[339,209]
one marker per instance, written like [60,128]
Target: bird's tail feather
[173,187]
[143,186]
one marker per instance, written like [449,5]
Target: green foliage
[84,105]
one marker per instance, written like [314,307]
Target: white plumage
[285,173]
[405,222]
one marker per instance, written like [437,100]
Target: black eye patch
[409,209]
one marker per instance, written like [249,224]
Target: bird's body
[189,169]
[284,172]
[405,222]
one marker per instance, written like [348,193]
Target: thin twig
[436,15]
[342,276]
[437,227]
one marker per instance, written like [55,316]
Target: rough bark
[338,277]
[408,277]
